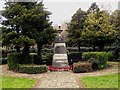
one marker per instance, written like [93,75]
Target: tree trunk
[39,52]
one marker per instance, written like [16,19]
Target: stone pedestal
[60,58]
[60,61]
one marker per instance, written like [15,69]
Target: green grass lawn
[16,82]
[107,81]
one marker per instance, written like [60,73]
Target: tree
[98,29]
[12,32]
[38,26]
[27,23]
[76,27]
[93,8]
[115,21]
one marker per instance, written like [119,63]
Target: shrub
[74,56]
[3,61]
[33,51]
[15,59]
[47,58]
[4,53]
[116,54]
[35,58]
[98,59]
[110,56]
[72,49]
[82,67]
[47,50]
[33,69]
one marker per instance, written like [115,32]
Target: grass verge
[106,81]
[16,82]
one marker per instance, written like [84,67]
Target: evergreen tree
[76,27]
[27,23]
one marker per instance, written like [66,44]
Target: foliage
[13,32]
[33,69]
[95,28]
[35,58]
[15,59]
[74,57]
[98,29]
[76,27]
[93,8]
[98,59]
[4,53]
[82,67]
[33,51]
[27,23]
[116,54]
[115,21]
[106,81]
[16,82]
[46,58]
[110,56]
[3,61]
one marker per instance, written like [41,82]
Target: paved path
[63,79]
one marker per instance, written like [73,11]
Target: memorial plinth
[60,58]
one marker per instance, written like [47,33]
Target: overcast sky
[62,10]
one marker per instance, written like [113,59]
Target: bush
[82,67]
[33,51]
[110,56]
[3,61]
[47,50]
[35,58]
[4,53]
[116,54]
[74,57]
[15,59]
[33,69]
[46,58]
[98,59]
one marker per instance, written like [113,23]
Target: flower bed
[60,69]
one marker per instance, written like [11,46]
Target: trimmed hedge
[74,57]
[82,67]
[33,69]
[98,59]
[15,59]
[110,56]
